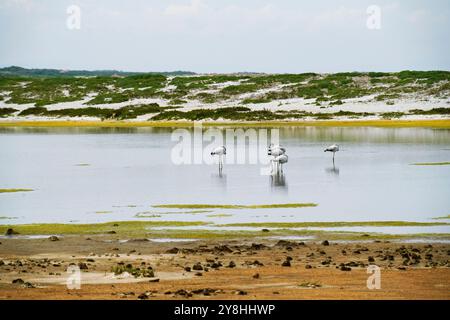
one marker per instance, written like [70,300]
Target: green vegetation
[229,206]
[123,113]
[15,190]
[219,215]
[134,271]
[4,112]
[121,228]
[45,87]
[7,218]
[431,164]
[442,218]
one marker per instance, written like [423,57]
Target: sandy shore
[216,269]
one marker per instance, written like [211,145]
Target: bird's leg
[333,157]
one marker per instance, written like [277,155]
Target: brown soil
[408,271]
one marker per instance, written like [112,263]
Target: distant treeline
[23,72]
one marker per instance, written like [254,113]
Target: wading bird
[219,151]
[279,157]
[275,150]
[278,161]
[334,148]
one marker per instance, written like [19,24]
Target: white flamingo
[333,148]
[276,150]
[219,151]
[279,157]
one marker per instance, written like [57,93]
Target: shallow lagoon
[107,174]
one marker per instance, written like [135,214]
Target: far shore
[434,123]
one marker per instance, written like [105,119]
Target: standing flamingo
[333,148]
[219,151]
[279,161]
[279,157]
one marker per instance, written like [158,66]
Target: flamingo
[276,150]
[219,151]
[333,148]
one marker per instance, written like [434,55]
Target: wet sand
[235,269]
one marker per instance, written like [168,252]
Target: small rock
[187,269]
[154,280]
[111,232]
[371,259]
[240,292]
[256,276]
[308,266]
[53,238]
[197,266]
[173,251]
[286,263]
[265,230]
[11,232]
[232,264]
[198,274]
[82,266]
[143,296]
[325,243]
[18,281]
[345,268]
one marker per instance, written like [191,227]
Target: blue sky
[226,35]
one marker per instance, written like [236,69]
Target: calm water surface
[131,169]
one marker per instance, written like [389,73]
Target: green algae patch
[232,206]
[431,164]
[15,190]
[442,218]
[130,228]
[310,235]
[336,224]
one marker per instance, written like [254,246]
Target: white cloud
[193,8]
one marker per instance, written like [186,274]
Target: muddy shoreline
[220,269]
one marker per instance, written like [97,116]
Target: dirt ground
[238,269]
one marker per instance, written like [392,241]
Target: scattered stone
[345,268]
[286,263]
[53,238]
[82,266]
[256,276]
[197,266]
[143,296]
[111,232]
[11,232]
[240,292]
[18,281]
[173,250]
[232,264]
[154,280]
[265,230]
[223,248]
[308,266]
[28,285]
[198,274]
[187,269]
[371,259]
[325,243]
